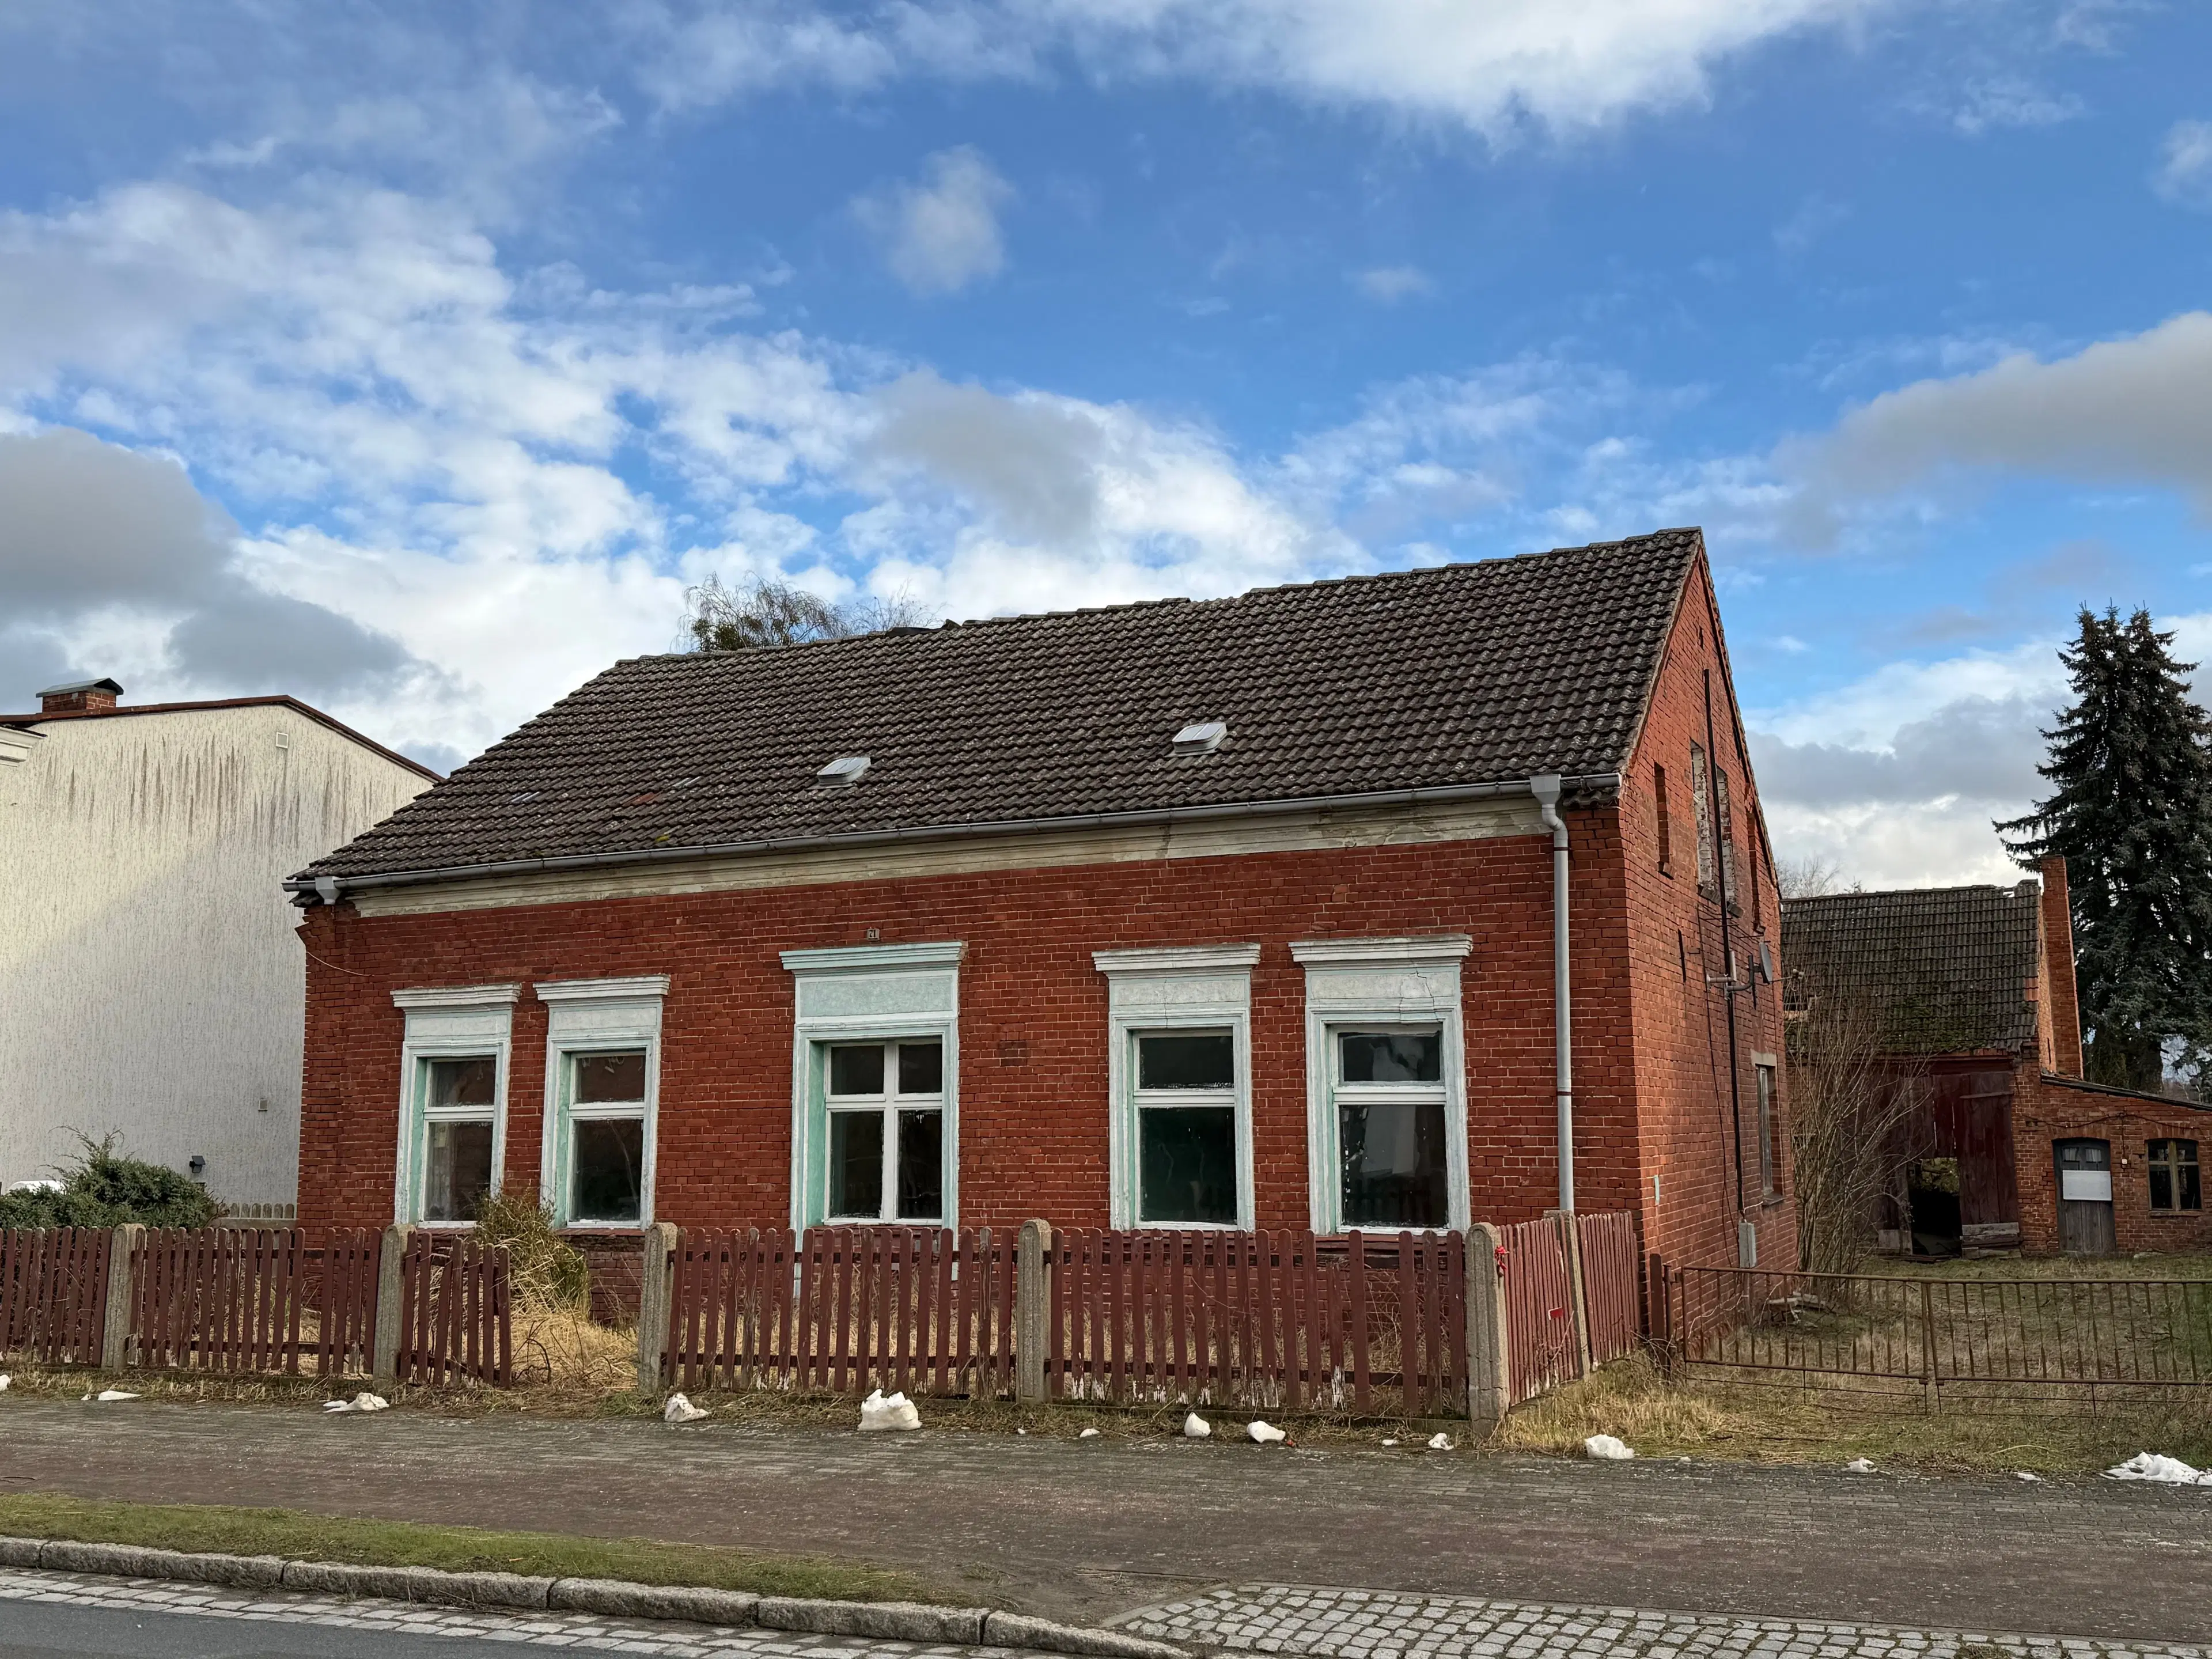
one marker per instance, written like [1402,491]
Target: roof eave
[1594,789]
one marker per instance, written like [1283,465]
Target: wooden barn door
[2084,1197]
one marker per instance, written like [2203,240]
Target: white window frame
[585,1016]
[1174,988]
[1375,984]
[448,1022]
[867,993]
[886,1106]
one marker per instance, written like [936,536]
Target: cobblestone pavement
[1341,1624]
[582,1630]
[1082,1530]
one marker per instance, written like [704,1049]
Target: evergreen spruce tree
[2130,812]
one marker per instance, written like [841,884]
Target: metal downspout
[1545,789]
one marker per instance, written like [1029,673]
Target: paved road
[54,1613]
[1082,1530]
[47,1615]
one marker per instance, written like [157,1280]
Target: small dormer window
[1201,737]
[845,769]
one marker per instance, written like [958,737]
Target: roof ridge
[1158,601]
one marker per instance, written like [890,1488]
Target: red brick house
[1974,992]
[1228,913]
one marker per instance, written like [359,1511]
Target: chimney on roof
[79,697]
[2058,971]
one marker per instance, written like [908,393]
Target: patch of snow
[880,1411]
[680,1410]
[363,1402]
[1195,1427]
[2163,1470]
[1861,1466]
[1390,1443]
[107,1396]
[1606,1448]
[1264,1433]
[2024,1475]
[4,1381]
[1440,1442]
[1088,1434]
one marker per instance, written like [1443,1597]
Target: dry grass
[1825,1426]
[2013,1265]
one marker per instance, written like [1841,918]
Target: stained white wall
[150,980]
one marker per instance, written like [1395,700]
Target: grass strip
[298,1536]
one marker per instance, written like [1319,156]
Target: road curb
[895,1621]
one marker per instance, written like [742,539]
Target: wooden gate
[456,1321]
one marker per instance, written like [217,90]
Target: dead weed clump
[1825,1426]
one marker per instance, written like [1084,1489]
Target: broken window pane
[856,1068]
[457,1173]
[463,1082]
[1186,1059]
[1187,1163]
[920,1068]
[1393,1164]
[920,1165]
[856,1163]
[619,1078]
[608,1181]
[1392,1056]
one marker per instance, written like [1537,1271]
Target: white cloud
[2010,100]
[1816,216]
[1896,777]
[1563,63]
[2132,410]
[1390,283]
[941,233]
[2185,169]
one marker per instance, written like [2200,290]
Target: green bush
[103,1189]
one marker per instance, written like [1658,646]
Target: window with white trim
[1764,1071]
[886,1103]
[602,1098]
[1386,1087]
[876,1084]
[453,1108]
[1179,1058]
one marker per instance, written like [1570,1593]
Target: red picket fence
[924,1310]
[217,1299]
[340,1290]
[1273,1320]
[1540,1312]
[456,1318]
[53,1294]
[1612,1294]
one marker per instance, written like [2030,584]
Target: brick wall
[1690,1123]
[2047,1110]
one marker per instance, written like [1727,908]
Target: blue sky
[414,359]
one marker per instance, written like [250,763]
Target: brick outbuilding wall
[2048,1108]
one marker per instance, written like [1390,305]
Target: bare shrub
[1850,1115]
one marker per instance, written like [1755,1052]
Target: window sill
[602,1226]
[1189,1227]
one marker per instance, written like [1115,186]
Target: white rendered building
[150,977]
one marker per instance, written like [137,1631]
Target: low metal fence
[1951,1342]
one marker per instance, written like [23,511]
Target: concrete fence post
[1489,1360]
[1032,1310]
[655,1294]
[1570,1242]
[383,1350]
[115,1330]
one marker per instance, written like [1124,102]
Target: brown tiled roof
[1457,675]
[1948,968]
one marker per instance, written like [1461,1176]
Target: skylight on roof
[1202,738]
[845,769]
